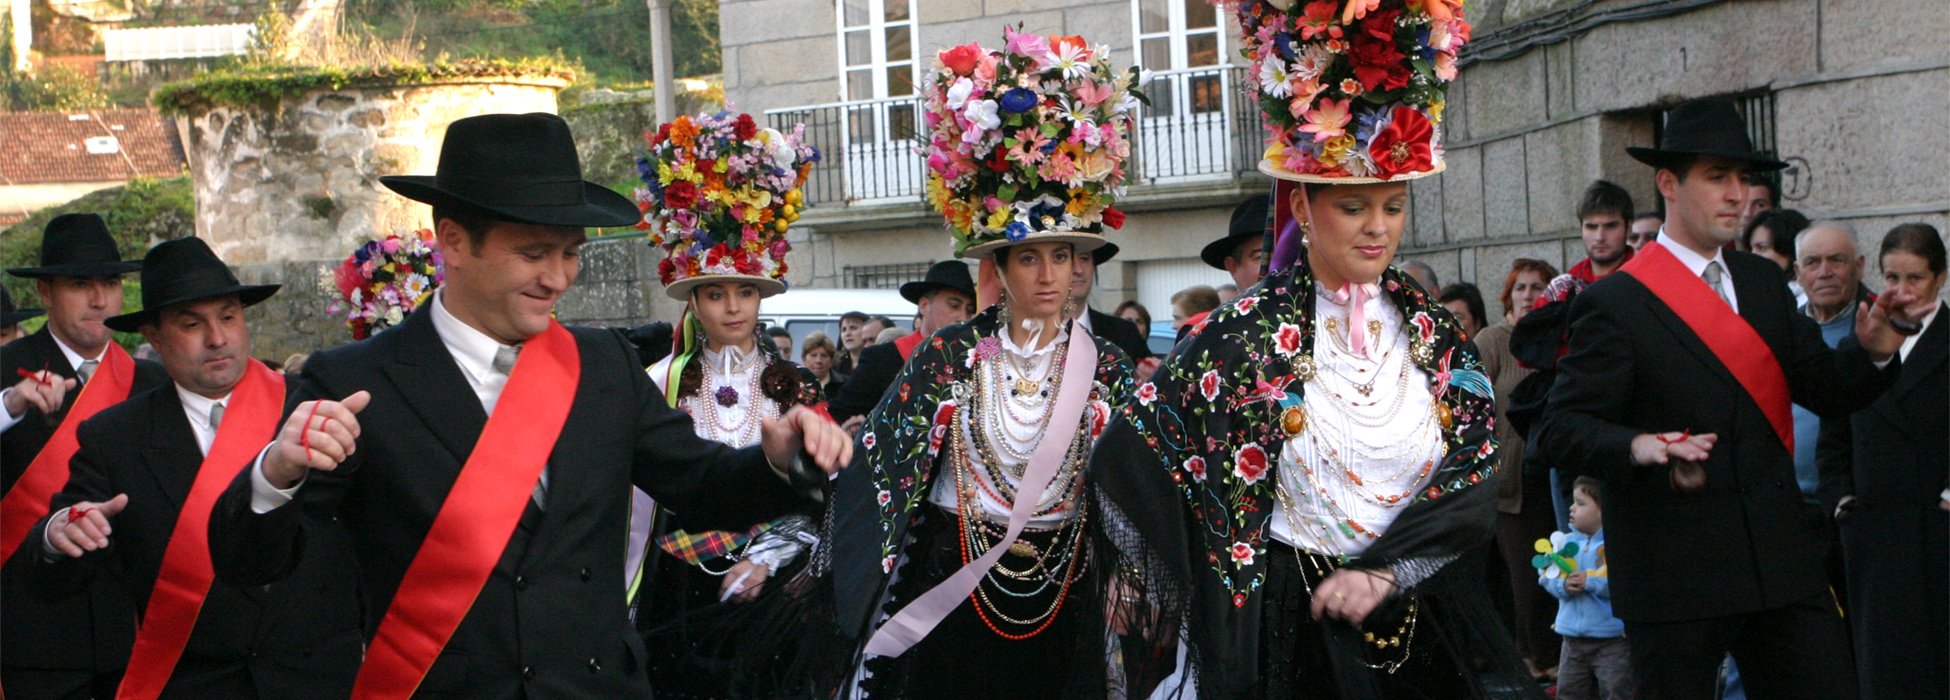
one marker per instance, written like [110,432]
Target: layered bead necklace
[1008,405]
[731,381]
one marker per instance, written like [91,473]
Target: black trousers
[1799,651]
[22,683]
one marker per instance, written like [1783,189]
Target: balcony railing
[1201,124]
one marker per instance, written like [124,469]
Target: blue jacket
[1587,614]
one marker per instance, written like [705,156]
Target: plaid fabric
[705,546]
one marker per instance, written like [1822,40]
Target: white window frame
[876,28]
[1176,31]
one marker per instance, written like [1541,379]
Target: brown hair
[818,340]
[475,222]
[1604,197]
[1196,299]
[1593,489]
[1920,240]
[1517,268]
[1143,313]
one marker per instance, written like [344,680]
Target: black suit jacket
[71,628]
[1124,334]
[1741,544]
[298,638]
[1900,440]
[551,621]
[879,365]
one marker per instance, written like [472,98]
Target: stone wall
[1859,95]
[300,180]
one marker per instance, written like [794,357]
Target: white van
[802,311]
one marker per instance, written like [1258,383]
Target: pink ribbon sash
[914,622]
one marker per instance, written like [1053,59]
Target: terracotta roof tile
[42,147]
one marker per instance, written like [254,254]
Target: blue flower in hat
[1048,207]
[1016,231]
[1018,100]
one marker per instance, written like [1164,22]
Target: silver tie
[504,363]
[216,415]
[1713,276]
[87,369]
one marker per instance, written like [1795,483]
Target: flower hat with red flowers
[1028,143]
[1353,89]
[718,195]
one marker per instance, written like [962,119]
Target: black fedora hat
[947,274]
[1709,126]
[185,270]
[1248,222]
[10,316]
[520,168]
[77,245]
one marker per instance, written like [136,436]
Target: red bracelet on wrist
[1674,441]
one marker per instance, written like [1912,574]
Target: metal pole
[660,61]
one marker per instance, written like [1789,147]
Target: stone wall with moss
[287,165]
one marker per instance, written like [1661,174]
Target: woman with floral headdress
[1286,501]
[957,556]
[724,239]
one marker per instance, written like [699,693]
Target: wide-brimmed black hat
[77,245]
[10,316]
[947,274]
[185,270]
[520,168]
[1248,222]
[1709,126]
[1103,253]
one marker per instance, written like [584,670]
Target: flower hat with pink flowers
[718,195]
[1028,143]
[1353,90]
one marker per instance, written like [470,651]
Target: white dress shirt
[1697,264]
[1910,342]
[8,420]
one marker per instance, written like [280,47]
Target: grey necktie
[504,363]
[1713,277]
[504,358]
[87,369]
[216,415]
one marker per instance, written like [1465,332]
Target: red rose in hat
[1403,146]
[962,59]
[744,128]
[1113,218]
[1378,64]
[680,194]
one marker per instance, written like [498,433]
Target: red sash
[1729,336]
[250,419]
[26,503]
[906,344]
[474,524]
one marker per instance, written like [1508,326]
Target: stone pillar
[299,179]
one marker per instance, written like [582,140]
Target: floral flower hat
[1353,90]
[718,195]
[383,281]
[1028,143]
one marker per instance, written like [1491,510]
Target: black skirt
[1438,657]
[965,657]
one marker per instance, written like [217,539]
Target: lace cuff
[1411,572]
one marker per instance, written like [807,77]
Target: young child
[1595,662]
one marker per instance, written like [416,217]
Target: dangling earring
[1069,309]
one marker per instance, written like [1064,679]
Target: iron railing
[890,276]
[1201,124]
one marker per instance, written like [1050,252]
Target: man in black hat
[1676,391]
[945,297]
[72,642]
[1240,251]
[297,639]
[1122,333]
[10,317]
[486,484]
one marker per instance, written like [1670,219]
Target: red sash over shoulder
[26,503]
[475,522]
[907,343]
[1729,336]
[182,584]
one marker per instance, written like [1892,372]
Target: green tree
[54,87]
